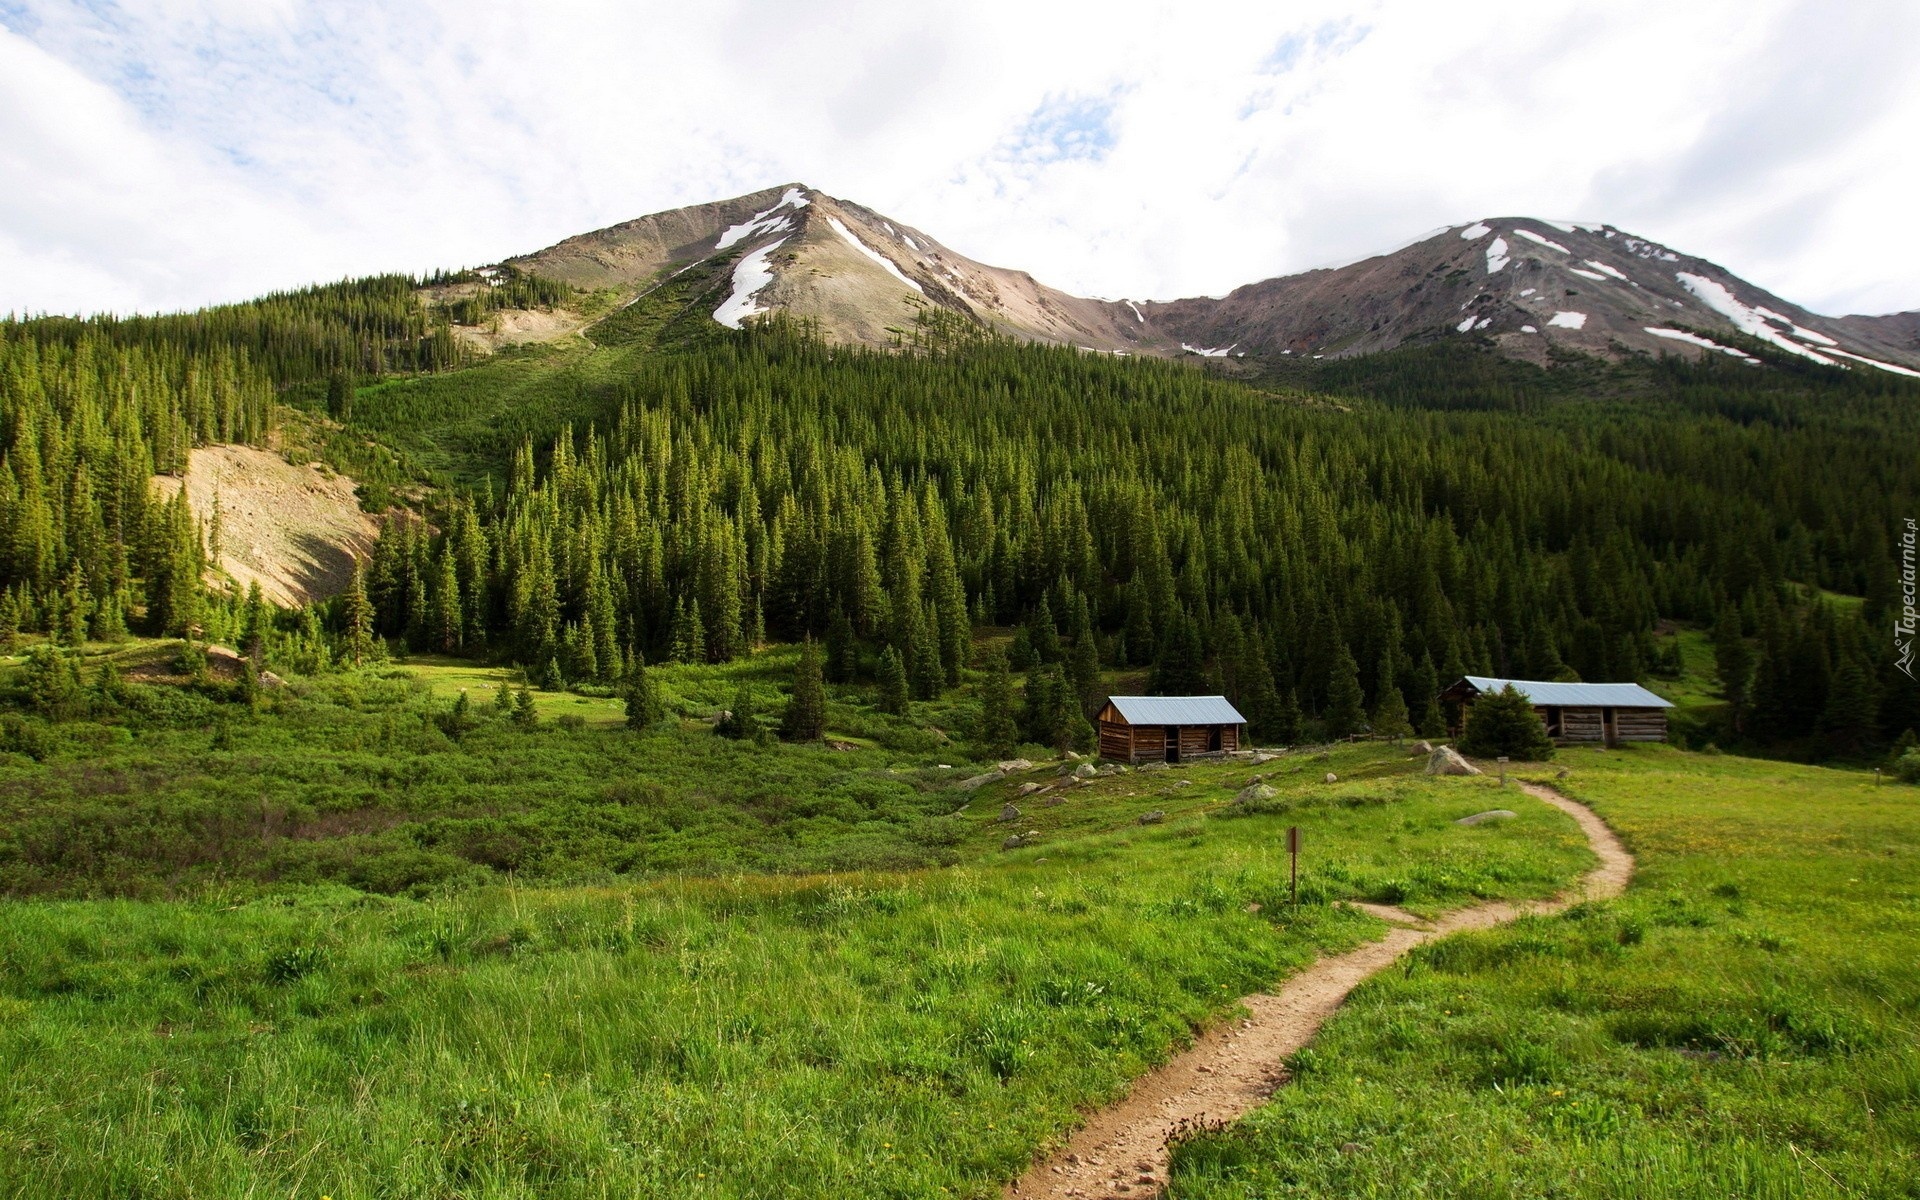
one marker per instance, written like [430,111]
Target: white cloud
[184,152]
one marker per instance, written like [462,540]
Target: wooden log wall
[1640,725]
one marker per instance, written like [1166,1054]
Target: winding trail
[1122,1150]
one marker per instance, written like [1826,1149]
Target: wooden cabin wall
[1640,724]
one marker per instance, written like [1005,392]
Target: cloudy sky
[170,154]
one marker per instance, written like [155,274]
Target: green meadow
[873,1033]
[1744,1022]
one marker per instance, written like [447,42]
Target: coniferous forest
[1305,544]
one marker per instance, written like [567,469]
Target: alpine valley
[621,720]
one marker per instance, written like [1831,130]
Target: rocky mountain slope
[860,275]
[1524,284]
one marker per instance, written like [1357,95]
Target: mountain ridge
[1523,284]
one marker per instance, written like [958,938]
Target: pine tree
[998,730]
[1504,723]
[503,699]
[843,651]
[1259,699]
[1853,703]
[806,716]
[893,683]
[741,722]
[1433,721]
[1181,667]
[1733,657]
[645,709]
[525,714]
[9,622]
[1083,657]
[1042,634]
[357,615]
[254,625]
[1390,719]
[1346,713]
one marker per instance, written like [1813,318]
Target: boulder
[978,781]
[1152,818]
[1183,783]
[1420,748]
[1261,756]
[1445,760]
[1152,766]
[1008,813]
[1253,793]
[1013,764]
[1085,770]
[1054,801]
[1496,814]
[1332,778]
[1016,840]
[1029,788]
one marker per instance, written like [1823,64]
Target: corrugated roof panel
[1177,710]
[1575,695]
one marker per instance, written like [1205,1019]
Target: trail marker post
[1503,770]
[1293,853]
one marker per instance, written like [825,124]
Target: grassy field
[878,1034]
[364,778]
[1744,1022]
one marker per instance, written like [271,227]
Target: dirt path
[1122,1151]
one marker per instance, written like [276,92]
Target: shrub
[1907,767]
[1503,724]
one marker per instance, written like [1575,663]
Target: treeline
[89,550]
[357,327]
[492,289]
[1317,564]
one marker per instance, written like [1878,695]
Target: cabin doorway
[1173,743]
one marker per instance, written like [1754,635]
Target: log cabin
[1136,729]
[1574,713]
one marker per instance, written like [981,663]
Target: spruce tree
[1390,719]
[806,716]
[893,683]
[1346,712]
[644,706]
[998,728]
[525,714]
[1733,658]
[1504,723]
[357,615]
[1181,668]
[843,651]
[1083,657]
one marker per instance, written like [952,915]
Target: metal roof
[1177,710]
[1575,695]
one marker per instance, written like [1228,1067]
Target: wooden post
[1293,853]
[1503,770]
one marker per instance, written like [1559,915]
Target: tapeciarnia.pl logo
[1905,621]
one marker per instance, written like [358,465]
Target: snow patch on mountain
[1549,243]
[1694,339]
[750,274]
[1604,269]
[763,222]
[1497,256]
[873,254]
[1219,353]
[1745,319]
[1874,362]
[1596,276]
[1476,231]
[1136,311]
[1569,320]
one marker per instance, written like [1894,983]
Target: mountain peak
[1524,284]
